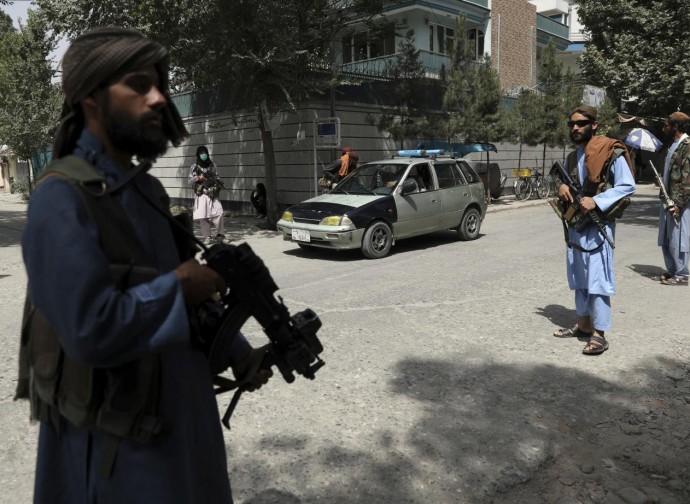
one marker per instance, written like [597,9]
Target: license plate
[301,235]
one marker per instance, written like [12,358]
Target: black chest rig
[122,401]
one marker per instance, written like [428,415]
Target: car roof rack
[423,153]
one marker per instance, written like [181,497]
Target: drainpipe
[498,49]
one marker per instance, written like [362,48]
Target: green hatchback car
[411,194]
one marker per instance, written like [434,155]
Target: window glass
[360,46]
[440,39]
[444,174]
[470,175]
[347,49]
[475,39]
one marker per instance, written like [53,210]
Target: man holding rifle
[674,222]
[601,172]
[108,358]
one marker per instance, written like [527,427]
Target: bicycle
[527,182]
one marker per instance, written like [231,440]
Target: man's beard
[134,136]
[580,137]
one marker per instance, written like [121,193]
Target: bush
[21,187]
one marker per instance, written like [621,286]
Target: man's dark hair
[681,120]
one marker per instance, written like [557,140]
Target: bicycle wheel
[543,187]
[522,188]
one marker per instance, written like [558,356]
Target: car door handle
[434,201]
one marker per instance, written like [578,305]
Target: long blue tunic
[593,272]
[100,326]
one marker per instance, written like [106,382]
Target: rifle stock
[663,193]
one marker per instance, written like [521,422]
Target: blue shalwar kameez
[102,327]
[590,274]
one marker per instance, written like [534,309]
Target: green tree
[459,96]
[271,54]
[29,101]
[406,86]
[486,122]
[5,23]
[542,114]
[637,50]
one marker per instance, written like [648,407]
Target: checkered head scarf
[98,58]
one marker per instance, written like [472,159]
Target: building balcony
[551,7]
[376,68]
[549,29]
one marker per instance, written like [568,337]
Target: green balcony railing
[552,27]
[376,67]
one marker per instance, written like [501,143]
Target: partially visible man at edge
[589,255]
[120,331]
[674,225]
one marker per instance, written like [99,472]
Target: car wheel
[377,240]
[468,229]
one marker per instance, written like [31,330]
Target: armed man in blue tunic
[602,169]
[124,397]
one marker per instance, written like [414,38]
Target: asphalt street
[443,382]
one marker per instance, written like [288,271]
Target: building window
[362,45]
[441,38]
[475,38]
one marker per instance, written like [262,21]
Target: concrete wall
[236,148]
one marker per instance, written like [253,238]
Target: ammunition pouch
[617,209]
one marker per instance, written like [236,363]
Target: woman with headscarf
[207,207]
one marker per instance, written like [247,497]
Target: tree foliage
[459,96]
[487,113]
[540,116]
[29,101]
[637,50]
[5,23]
[269,53]
[406,86]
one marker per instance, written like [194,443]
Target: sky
[18,10]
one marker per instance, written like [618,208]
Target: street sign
[327,133]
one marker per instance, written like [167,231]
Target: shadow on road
[643,211]
[496,433]
[647,271]
[407,245]
[11,225]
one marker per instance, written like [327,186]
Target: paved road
[443,383]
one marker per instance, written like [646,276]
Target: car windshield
[372,178]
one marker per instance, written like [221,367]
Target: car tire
[468,229]
[377,240]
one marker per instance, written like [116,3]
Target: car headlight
[336,220]
[287,216]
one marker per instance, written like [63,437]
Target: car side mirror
[408,187]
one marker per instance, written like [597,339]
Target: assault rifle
[211,179]
[666,200]
[294,346]
[591,217]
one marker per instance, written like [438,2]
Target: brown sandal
[675,281]
[596,345]
[572,332]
